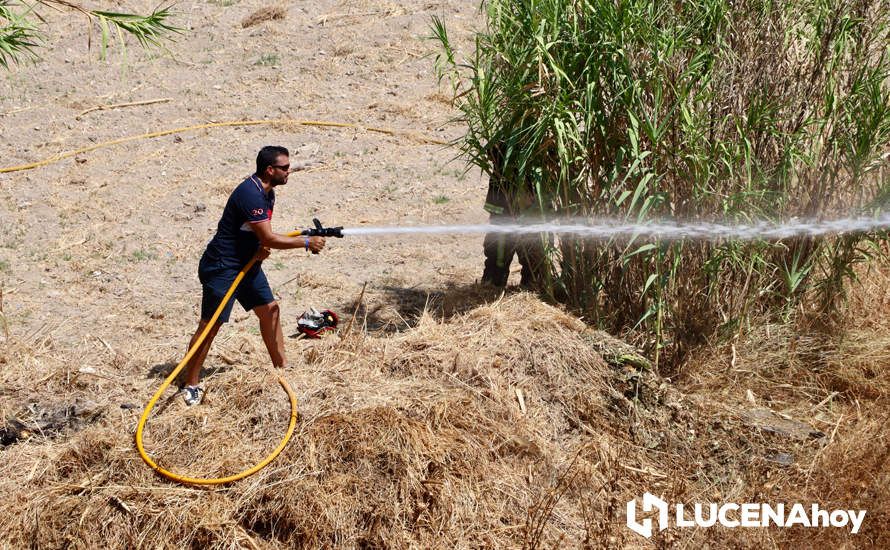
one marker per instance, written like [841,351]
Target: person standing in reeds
[511,202]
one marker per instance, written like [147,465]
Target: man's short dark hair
[268,155]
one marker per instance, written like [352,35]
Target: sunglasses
[285,167]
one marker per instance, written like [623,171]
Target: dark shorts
[216,279]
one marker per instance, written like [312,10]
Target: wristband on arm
[306,242]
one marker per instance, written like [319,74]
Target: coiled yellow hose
[151,403]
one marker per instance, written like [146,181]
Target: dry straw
[416,439]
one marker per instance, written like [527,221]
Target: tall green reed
[696,110]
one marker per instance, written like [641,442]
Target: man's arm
[271,239]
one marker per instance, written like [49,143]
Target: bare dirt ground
[113,237]
[98,261]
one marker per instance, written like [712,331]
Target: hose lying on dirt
[321,123]
[172,376]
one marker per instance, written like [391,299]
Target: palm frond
[20,36]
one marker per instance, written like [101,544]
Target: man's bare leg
[270,328]
[193,367]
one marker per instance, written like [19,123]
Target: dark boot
[498,254]
[532,255]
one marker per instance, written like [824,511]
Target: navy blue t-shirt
[235,242]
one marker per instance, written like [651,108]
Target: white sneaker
[192,395]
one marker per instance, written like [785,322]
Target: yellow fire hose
[282,121]
[151,403]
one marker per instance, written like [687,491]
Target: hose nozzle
[321,231]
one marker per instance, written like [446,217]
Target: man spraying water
[245,230]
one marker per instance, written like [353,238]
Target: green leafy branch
[20,36]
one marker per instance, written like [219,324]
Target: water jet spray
[606,229]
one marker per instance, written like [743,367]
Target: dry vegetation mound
[500,427]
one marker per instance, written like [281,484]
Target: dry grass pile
[268,13]
[501,427]
[832,377]
[854,473]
